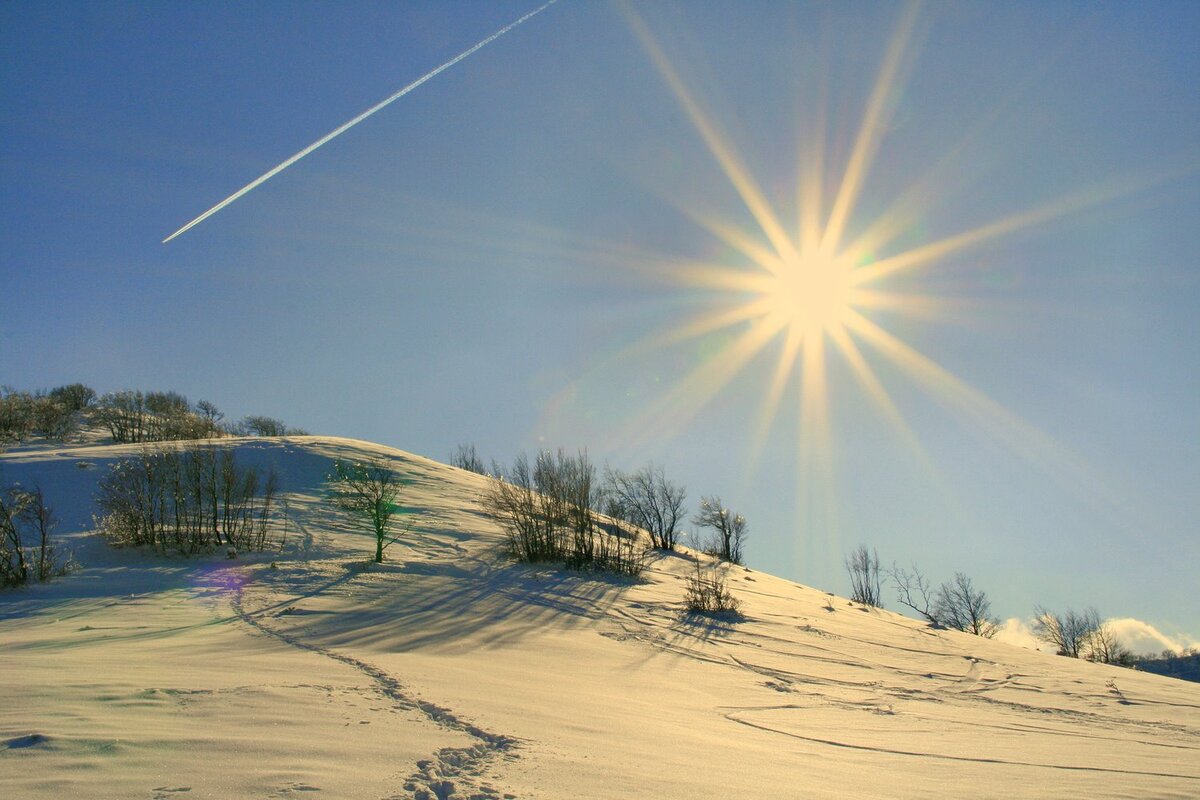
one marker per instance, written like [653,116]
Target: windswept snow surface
[451,672]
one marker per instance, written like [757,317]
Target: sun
[810,295]
[796,296]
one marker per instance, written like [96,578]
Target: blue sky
[495,258]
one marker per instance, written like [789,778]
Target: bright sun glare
[811,292]
[810,295]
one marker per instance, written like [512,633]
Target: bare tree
[27,549]
[1104,648]
[866,586]
[14,571]
[647,500]
[959,605]
[465,457]
[914,591]
[167,403]
[368,489]
[1070,633]
[209,412]
[730,529]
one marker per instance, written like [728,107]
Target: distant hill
[1185,667]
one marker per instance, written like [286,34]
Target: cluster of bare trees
[553,510]
[187,500]
[1081,635]
[50,414]
[558,508]
[1182,664]
[27,548]
[133,417]
[955,604]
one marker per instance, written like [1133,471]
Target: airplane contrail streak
[343,128]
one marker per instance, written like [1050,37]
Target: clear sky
[581,236]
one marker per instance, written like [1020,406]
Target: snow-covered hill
[452,672]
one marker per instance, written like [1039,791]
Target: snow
[451,671]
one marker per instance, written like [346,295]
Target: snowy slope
[452,672]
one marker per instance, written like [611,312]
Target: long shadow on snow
[444,606]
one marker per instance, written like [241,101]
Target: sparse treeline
[187,500]
[129,416]
[959,605]
[956,604]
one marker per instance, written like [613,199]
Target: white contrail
[355,121]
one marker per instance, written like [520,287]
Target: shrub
[549,513]
[707,593]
